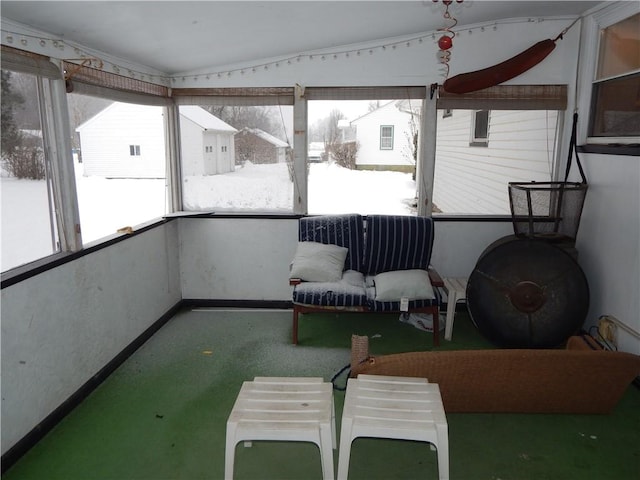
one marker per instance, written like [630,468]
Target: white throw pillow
[413,284]
[317,262]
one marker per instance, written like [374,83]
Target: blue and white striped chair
[377,244]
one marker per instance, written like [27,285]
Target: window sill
[611,149]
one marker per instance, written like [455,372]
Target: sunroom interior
[93,289]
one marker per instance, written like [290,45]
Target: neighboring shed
[383,137]
[127,141]
[207,142]
[257,146]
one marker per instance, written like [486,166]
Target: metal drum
[527,293]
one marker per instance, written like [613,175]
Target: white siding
[192,148]
[473,179]
[105,141]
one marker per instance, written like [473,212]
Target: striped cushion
[342,230]
[397,242]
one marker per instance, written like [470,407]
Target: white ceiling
[182,36]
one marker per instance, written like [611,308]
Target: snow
[109,204]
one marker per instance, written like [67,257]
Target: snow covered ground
[109,204]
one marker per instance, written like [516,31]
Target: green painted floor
[162,414]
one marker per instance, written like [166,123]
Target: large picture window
[360,166]
[120,163]
[247,160]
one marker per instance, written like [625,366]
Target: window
[615,110]
[29,229]
[250,157]
[479,129]
[356,173]
[474,181]
[113,191]
[446,113]
[386,137]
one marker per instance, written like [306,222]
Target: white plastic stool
[393,407]
[287,409]
[456,290]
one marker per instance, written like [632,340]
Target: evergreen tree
[11,138]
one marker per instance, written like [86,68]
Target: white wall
[609,241]
[458,244]
[59,328]
[245,259]
[248,259]
[415,64]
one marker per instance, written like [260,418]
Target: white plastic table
[393,407]
[287,409]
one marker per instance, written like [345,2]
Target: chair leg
[295,325]
[436,326]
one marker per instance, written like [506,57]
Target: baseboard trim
[48,423]
[219,303]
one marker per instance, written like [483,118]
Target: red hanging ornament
[445,42]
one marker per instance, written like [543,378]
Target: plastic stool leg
[230,452]
[443,451]
[345,448]
[451,312]
[326,452]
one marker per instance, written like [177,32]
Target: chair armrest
[436,279]
[295,281]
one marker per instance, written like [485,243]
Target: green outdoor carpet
[162,415]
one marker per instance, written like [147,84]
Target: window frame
[386,141]
[479,140]
[590,44]
[56,139]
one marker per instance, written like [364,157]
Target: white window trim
[382,138]
[479,141]
[589,43]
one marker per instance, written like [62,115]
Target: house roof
[266,136]
[369,113]
[204,119]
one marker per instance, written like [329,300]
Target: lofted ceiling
[173,37]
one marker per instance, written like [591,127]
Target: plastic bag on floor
[422,321]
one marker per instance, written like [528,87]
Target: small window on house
[134,150]
[224,148]
[386,137]
[447,113]
[480,129]
[615,109]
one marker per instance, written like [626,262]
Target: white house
[481,151]
[127,141]
[384,138]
